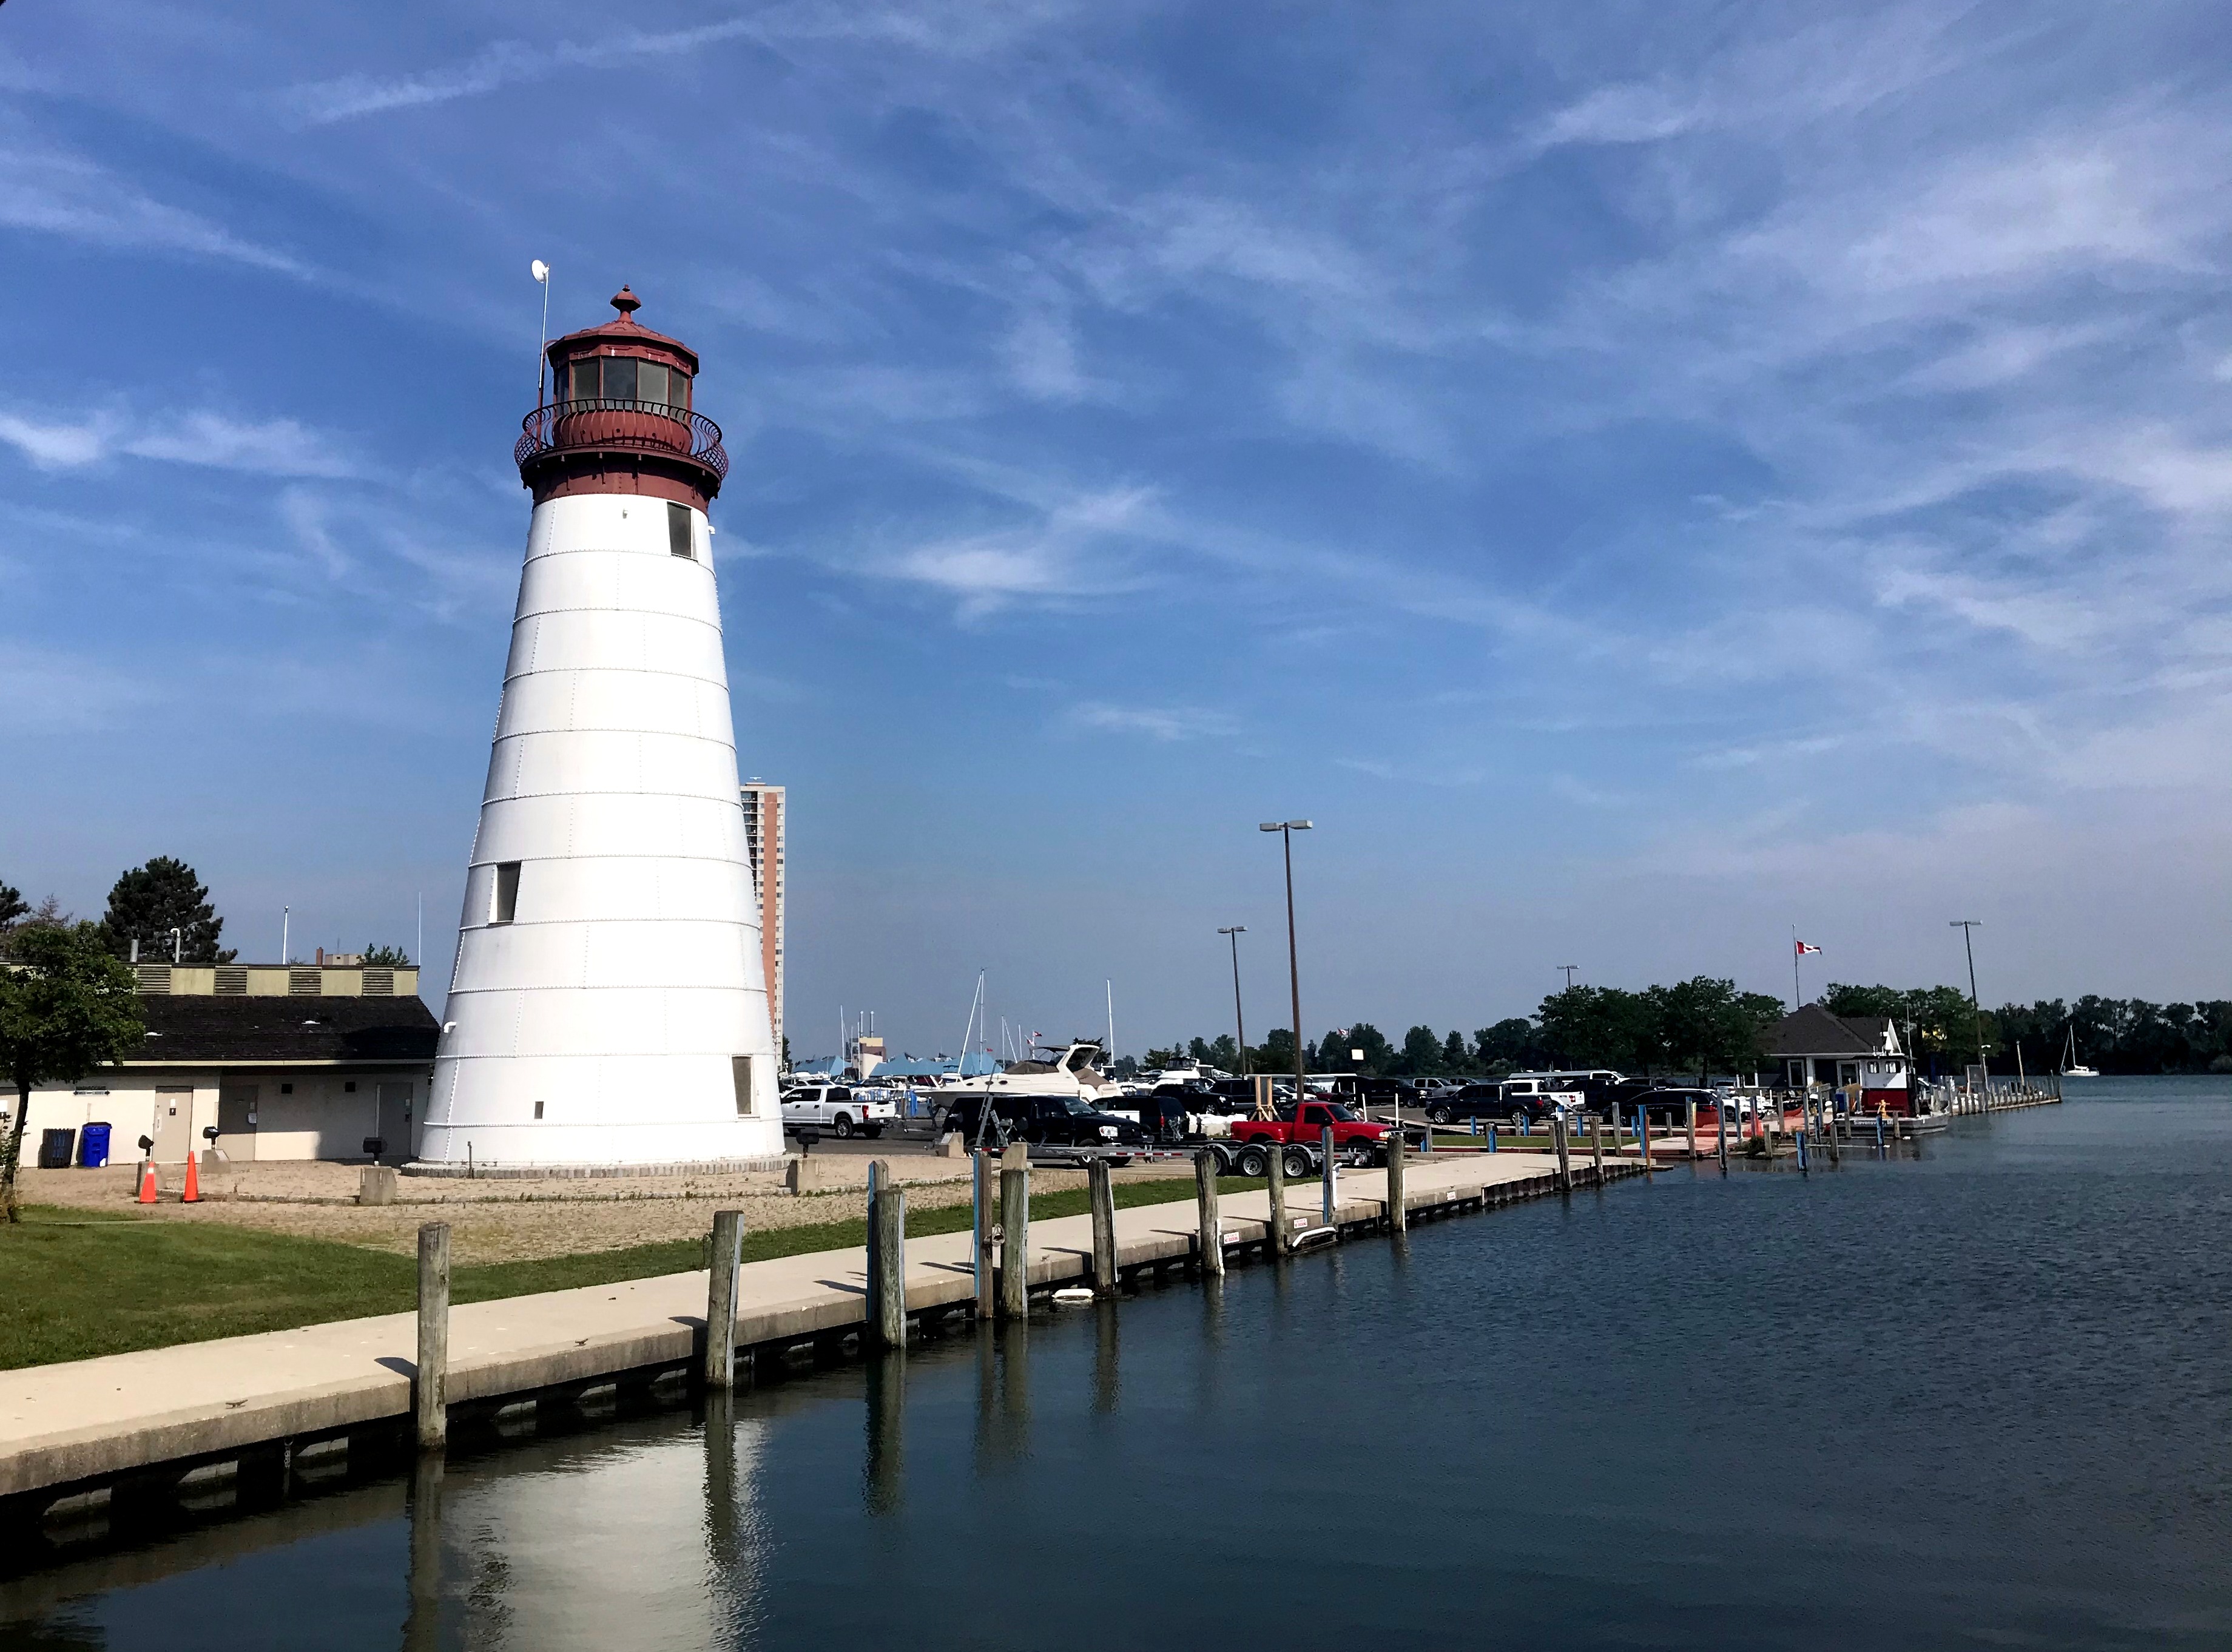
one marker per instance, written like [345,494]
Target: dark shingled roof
[198,1029]
[1813,1031]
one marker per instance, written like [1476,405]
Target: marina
[996,1484]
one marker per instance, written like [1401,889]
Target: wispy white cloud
[52,191]
[280,447]
[947,30]
[1167,723]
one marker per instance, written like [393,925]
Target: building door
[391,1120]
[174,1123]
[235,1120]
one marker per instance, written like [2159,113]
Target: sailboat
[2071,1066]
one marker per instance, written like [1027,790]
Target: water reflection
[886,1429]
[1107,1383]
[422,1624]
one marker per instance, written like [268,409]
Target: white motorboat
[1074,1070]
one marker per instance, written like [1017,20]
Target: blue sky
[1640,477]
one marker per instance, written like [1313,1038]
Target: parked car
[1046,1121]
[1669,1107]
[1517,1101]
[838,1108]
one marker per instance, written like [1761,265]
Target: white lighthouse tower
[608,1009]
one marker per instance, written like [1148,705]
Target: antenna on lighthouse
[541,271]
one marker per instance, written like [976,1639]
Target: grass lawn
[79,1285]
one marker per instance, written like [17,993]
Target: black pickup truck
[1054,1122]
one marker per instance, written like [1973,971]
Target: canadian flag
[1803,948]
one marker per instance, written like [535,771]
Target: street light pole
[1286,829]
[1240,1024]
[1570,968]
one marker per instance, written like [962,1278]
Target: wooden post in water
[1015,1236]
[719,1371]
[1209,1233]
[1565,1162]
[430,1387]
[1596,1148]
[1692,1106]
[1327,1173]
[1102,1197]
[887,1264]
[981,1190]
[1398,1220]
[1720,1117]
[1275,1186]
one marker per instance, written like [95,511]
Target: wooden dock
[249,1417]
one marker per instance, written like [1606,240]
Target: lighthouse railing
[604,422]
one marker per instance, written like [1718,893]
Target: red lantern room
[619,419]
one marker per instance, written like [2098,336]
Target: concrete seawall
[151,1420]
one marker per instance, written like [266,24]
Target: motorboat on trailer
[1073,1070]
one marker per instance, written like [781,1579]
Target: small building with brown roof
[1859,1054]
[282,1061]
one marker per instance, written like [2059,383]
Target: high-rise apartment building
[765,828]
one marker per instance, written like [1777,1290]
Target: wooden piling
[719,1370]
[1398,1220]
[1275,1187]
[1721,1114]
[1565,1161]
[982,1188]
[1014,1241]
[1327,1174]
[1209,1229]
[887,1324]
[1102,1198]
[1692,1107]
[430,1387]
[1596,1148]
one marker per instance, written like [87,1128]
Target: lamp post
[1969,926]
[1570,968]
[1286,829]
[1240,1026]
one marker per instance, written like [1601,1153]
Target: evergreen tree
[1422,1052]
[1455,1059]
[385,956]
[150,901]
[12,905]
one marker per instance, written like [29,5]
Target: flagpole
[1797,992]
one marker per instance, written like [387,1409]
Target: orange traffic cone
[146,1182]
[192,1195]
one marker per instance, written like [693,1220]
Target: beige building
[766,826]
[284,1062]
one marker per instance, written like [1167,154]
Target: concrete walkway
[89,1419]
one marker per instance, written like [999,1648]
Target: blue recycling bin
[93,1146]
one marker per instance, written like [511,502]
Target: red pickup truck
[1352,1137]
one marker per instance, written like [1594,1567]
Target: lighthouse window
[677,529]
[650,383]
[620,378]
[505,907]
[585,380]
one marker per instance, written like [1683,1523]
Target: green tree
[65,1007]
[1456,1058]
[150,901]
[1276,1054]
[12,905]
[388,957]
[1512,1044]
[1421,1053]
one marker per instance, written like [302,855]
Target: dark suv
[1501,1103]
[1046,1121]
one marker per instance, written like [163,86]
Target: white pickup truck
[839,1108]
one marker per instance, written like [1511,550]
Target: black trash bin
[57,1148]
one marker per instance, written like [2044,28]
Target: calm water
[1976,1400]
